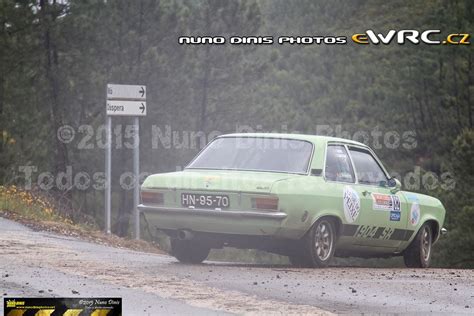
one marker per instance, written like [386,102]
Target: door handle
[365,193]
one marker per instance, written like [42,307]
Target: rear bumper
[205,220]
[205,212]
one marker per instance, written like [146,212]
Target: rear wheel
[189,251]
[418,254]
[320,243]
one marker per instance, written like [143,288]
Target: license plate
[204,200]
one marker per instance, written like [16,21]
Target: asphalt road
[43,264]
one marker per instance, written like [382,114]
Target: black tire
[189,251]
[320,244]
[418,254]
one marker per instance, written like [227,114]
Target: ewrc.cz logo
[415,37]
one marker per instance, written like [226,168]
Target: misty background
[56,58]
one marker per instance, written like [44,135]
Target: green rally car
[307,197]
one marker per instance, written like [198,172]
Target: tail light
[149,197]
[265,203]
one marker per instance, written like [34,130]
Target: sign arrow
[126,92]
[142,107]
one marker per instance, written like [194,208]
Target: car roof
[310,138]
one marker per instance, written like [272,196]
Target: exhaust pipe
[185,234]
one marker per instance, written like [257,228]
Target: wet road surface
[44,264]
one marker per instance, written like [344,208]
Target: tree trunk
[205,79]
[61,159]
[456,93]
[3,49]
[469,84]
[125,210]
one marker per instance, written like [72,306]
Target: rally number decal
[375,232]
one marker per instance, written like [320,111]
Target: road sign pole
[136,171]
[108,161]
[124,100]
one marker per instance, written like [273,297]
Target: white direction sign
[126,92]
[126,100]
[126,108]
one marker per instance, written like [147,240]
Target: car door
[343,194]
[340,177]
[383,214]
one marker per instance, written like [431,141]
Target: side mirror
[395,185]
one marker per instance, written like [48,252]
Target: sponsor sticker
[351,203]
[415,214]
[385,202]
[395,216]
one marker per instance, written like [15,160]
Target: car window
[255,154]
[338,165]
[367,169]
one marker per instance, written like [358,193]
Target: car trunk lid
[221,181]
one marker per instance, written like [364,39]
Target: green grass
[29,205]
[39,208]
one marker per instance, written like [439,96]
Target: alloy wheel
[426,243]
[323,240]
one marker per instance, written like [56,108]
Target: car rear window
[255,154]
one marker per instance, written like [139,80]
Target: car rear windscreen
[255,154]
